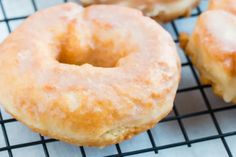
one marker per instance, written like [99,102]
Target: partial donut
[89,76]
[160,10]
[212,49]
[227,5]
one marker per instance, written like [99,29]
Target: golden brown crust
[130,132]
[122,84]
[212,49]
[160,10]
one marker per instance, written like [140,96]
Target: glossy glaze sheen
[227,5]
[161,10]
[212,48]
[94,104]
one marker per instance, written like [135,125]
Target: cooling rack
[200,125]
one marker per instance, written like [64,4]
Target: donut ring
[160,10]
[213,51]
[89,76]
[227,5]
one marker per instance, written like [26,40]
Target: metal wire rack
[189,113]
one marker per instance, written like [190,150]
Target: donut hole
[100,46]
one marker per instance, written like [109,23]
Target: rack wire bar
[206,99]
[182,127]
[204,94]
[177,116]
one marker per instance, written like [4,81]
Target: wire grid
[155,148]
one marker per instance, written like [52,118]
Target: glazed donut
[89,76]
[227,5]
[160,10]
[212,48]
